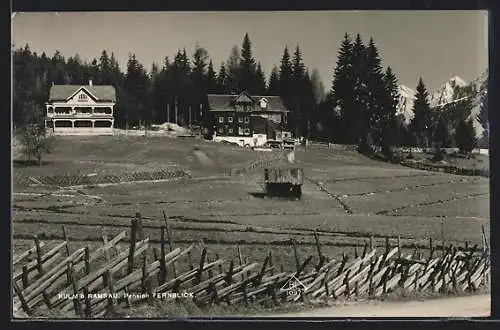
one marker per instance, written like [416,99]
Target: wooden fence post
[24,303]
[318,248]
[202,263]
[170,241]
[107,255]
[399,247]
[133,237]
[442,239]
[38,255]
[190,260]
[25,277]
[163,267]
[88,306]
[220,266]
[297,260]
[140,229]
[108,282]
[271,262]
[72,280]
[431,248]
[65,237]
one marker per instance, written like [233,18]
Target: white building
[80,110]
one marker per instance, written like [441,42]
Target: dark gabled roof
[220,102]
[101,92]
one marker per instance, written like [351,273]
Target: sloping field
[346,197]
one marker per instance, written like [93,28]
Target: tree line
[360,108]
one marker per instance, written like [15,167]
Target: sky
[434,45]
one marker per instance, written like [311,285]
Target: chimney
[90,82]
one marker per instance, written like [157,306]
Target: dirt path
[469,306]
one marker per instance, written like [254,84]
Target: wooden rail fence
[92,283]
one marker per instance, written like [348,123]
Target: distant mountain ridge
[445,95]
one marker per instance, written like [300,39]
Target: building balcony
[79,115]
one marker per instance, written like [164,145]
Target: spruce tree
[388,122]
[273,85]
[23,81]
[75,70]
[222,80]
[465,136]
[297,94]
[247,74]
[211,79]
[260,81]
[105,74]
[375,98]
[58,73]
[318,87]
[308,105]
[441,134]
[233,71]
[422,121]
[153,106]
[342,91]
[198,85]
[359,76]
[285,81]
[136,86]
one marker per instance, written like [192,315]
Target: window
[230,130]
[240,119]
[246,131]
[50,110]
[263,103]
[82,97]
[83,123]
[220,130]
[221,119]
[247,120]
[240,131]
[229,119]
[63,123]
[102,123]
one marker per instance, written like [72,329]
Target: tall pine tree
[420,125]
[375,95]
[211,79]
[247,71]
[260,81]
[342,92]
[135,87]
[222,80]
[273,84]
[285,81]
[199,85]
[233,71]
[298,111]
[388,122]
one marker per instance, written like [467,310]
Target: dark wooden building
[245,119]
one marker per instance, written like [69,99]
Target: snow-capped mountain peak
[405,106]
[458,81]
[445,93]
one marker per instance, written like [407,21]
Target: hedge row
[451,169]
